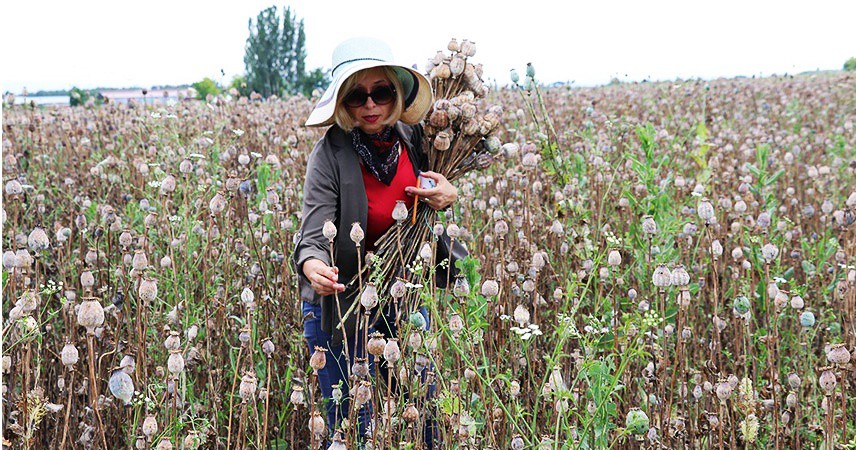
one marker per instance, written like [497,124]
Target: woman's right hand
[324,279]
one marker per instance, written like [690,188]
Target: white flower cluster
[527,332]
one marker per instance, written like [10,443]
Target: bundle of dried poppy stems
[457,139]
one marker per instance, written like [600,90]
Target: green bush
[205,87]
[850,65]
[80,97]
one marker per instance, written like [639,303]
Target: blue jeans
[336,370]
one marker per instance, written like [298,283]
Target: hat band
[352,60]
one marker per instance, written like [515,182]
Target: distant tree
[82,97]
[205,87]
[850,65]
[239,82]
[275,56]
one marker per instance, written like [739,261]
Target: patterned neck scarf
[379,152]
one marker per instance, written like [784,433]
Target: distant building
[152,96]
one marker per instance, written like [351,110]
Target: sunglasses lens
[356,98]
[381,96]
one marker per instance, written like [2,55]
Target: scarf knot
[379,152]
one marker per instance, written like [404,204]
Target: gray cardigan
[333,190]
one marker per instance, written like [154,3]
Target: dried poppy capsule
[391,351]
[369,297]
[318,359]
[398,289]
[441,71]
[443,140]
[838,354]
[363,394]
[150,426]
[248,386]
[827,379]
[490,288]
[457,65]
[439,119]
[399,212]
[140,261]
[662,276]
[360,367]
[614,258]
[268,347]
[175,362]
[329,230]
[297,397]
[316,424]
[69,355]
[38,240]
[648,225]
[453,45]
[357,233]
[410,414]
[90,314]
[217,204]
[376,344]
[121,386]
[148,290]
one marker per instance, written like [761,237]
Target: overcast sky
[117,43]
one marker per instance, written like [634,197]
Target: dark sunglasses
[381,95]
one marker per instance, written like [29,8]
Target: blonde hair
[343,117]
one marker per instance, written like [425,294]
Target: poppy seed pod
[425,252]
[369,296]
[247,388]
[318,359]
[173,341]
[705,210]
[398,289]
[167,186]
[439,119]
[376,344]
[316,424]
[148,290]
[457,65]
[69,355]
[38,240]
[357,233]
[453,45]
[297,397]
[121,386]
[391,351]
[329,230]
[360,369]
[90,314]
[662,276]
[827,379]
[490,288]
[175,362]
[838,354]
[521,315]
[399,212]
[649,226]
[441,71]
[217,204]
[453,230]
[140,261]
[268,347]
[614,258]
[363,394]
[462,286]
[443,140]
[150,426]
[468,48]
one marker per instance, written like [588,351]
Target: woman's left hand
[438,197]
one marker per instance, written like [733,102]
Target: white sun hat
[360,53]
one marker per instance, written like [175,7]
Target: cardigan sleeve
[320,203]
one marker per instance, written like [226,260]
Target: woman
[368,159]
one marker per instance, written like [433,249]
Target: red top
[381,198]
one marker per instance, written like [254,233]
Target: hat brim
[322,114]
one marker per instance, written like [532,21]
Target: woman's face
[371,117]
